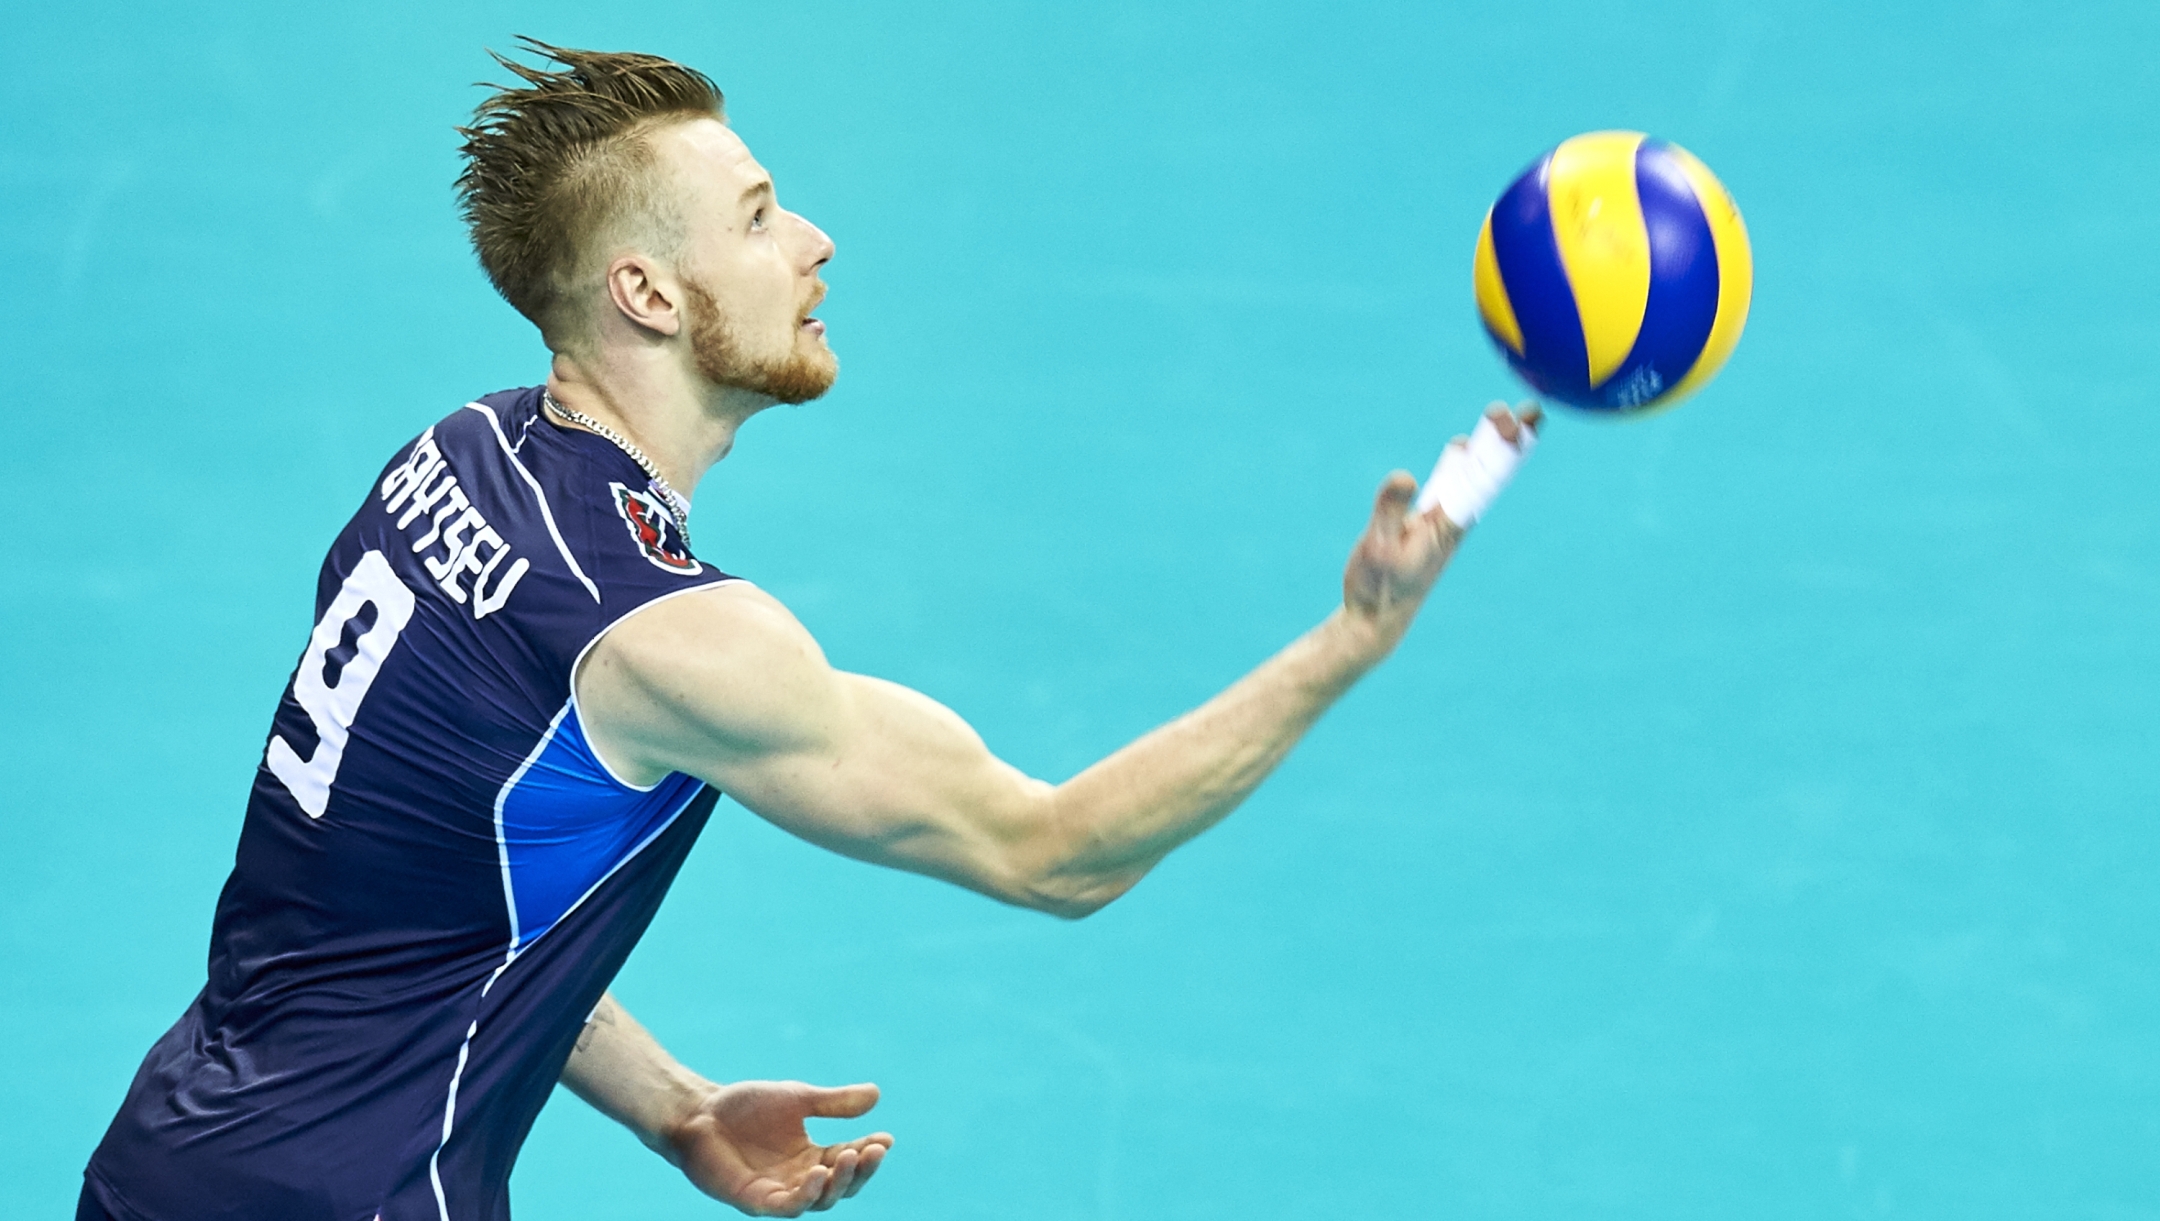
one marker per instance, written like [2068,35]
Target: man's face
[750,268]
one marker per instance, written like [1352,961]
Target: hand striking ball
[1615,273]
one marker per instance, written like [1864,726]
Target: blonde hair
[565,157]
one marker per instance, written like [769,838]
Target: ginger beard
[718,351]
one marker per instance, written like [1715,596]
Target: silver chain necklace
[677,503]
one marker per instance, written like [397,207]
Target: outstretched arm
[742,1143]
[727,686]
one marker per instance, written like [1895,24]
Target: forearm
[1113,822]
[619,1068]
[730,688]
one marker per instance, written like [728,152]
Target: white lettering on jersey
[485,603]
[424,485]
[419,464]
[332,708]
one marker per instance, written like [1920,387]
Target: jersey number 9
[332,707]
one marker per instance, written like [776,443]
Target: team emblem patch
[657,533]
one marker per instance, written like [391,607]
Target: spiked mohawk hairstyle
[549,165]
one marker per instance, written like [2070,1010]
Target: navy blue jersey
[438,876]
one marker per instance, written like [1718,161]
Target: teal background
[1759,823]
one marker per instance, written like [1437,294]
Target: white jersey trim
[502,839]
[449,1115]
[546,514]
[578,665]
[502,852]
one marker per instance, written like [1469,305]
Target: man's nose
[819,248]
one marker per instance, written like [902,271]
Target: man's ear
[647,295]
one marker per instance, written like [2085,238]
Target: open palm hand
[745,1145]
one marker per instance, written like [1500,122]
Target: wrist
[1363,638]
[678,1116]
[1373,618]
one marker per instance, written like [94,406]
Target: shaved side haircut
[557,165]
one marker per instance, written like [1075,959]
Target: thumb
[842,1101]
[1392,503]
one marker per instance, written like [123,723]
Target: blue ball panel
[1554,360]
[1683,285]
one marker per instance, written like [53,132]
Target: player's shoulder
[727,616]
[561,490]
[728,660]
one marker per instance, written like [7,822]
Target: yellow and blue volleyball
[1615,273]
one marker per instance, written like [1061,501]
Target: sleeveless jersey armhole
[577,670]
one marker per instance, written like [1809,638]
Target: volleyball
[1614,274]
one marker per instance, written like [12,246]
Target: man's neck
[684,425]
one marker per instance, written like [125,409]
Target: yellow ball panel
[1597,221]
[1492,299]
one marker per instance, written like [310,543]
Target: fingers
[1392,503]
[841,1102]
[1527,414]
[846,1168]
[842,1172]
[841,1169]
[1471,474]
[873,1156]
[1504,420]
[793,1201]
[841,1184]
[853,1163]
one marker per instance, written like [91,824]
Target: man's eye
[757,219]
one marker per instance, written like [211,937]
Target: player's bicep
[737,693]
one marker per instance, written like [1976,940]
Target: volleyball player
[525,689]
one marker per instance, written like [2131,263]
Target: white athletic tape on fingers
[1470,475]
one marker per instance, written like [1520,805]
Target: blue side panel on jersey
[1683,283]
[567,824]
[1555,360]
